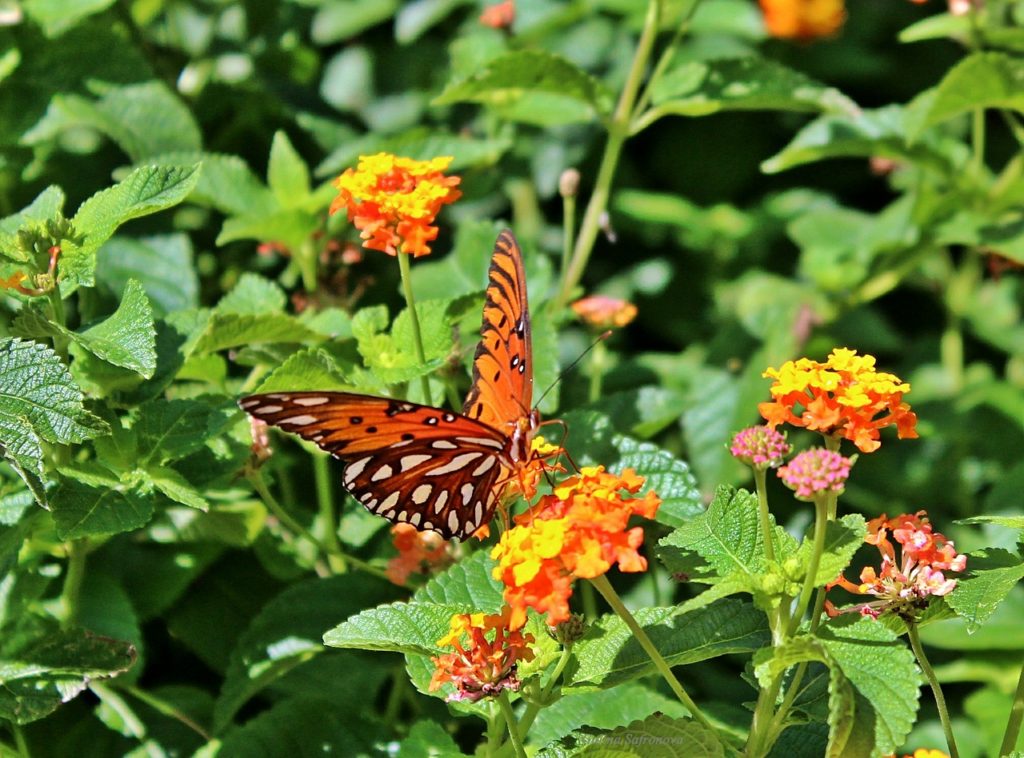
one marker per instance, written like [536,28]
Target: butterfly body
[429,467]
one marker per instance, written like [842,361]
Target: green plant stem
[325,505]
[20,741]
[929,674]
[59,341]
[511,724]
[762,507]
[820,522]
[760,739]
[589,602]
[72,590]
[256,480]
[1013,724]
[618,132]
[598,364]
[410,303]
[306,259]
[568,229]
[665,59]
[602,585]
[978,140]
[168,710]
[534,708]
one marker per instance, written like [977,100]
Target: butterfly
[428,467]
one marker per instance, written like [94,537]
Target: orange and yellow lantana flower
[418,553]
[393,201]
[487,650]
[603,312]
[803,19]
[577,532]
[843,397]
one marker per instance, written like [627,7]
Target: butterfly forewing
[502,390]
[410,463]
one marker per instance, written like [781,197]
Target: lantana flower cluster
[604,312]
[906,581]
[815,472]
[487,651]
[803,19]
[393,201]
[577,532]
[843,397]
[760,447]
[419,552]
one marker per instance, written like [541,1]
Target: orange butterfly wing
[410,463]
[502,390]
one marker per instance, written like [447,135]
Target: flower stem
[534,708]
[820,522]
[72,591]
[1016,717]
[168,709]
[762,506]
[306,260]
[618,132]
[325,504]
[598,364]
[929,674]
[410,302]
[568,229]
[602,585]
[511,724]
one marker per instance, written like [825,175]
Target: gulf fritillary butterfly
[434,469]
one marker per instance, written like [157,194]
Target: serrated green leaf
[506,81]
[428,739]
[145,120]
[171,429]
[412,628]
[237,524]
[644,411]
[657,736]
[1013,522]
[23,450]
[226,183]
[469,583]
[82,510]
[144,191]
[609,654]
[699,88]
[600,709]
[162,264]
[127,338]
[993,573]
[227,330]
[57,16]
[309,369]
[35,680]
[288,632]
[176,487]
[253,295]
[981,80]
[287,174]
[883,671]
[37,389]
[292,227]
[843,538]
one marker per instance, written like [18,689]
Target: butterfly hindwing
[502,389]
[407,462]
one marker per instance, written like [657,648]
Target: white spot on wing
[403,516]
[440,502]
[355,468]
[453,521]
[483,441]
[467,492]
[311,400]
[303,420]
[478,512]
[250,403]
[415,519]
[382,473]
[408,461]
[422,493]
[485,466]
[390,501]
[457,463]
[442,445]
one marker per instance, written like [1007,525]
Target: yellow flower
[393,201]
[803,19]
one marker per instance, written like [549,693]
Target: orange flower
[602,312]
[906,582]
[842,397]
[577,532]
[499,16]
[393,201]
[803,19]
[418,553]
[14,282]
[484,666]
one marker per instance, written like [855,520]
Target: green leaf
[144,191]
[226,183]
[510,80]
[35,680]
[82,509]
[340,21]
[418,16]
[228,330]
[1013,522]
[843,538]
[610,655]
[863,135]
[287,174]
[292,227]
[287,632]
[57,16]
[163,264]
[699,88]
[46,205]
[253,295]
[309,369]
[600,709]
[128,337]
[469,583]
[411,628]
[882,669]
[981,80]
[38,401]
[176,487]
[993,573]
[657,736]
[171,429]
[145,120]
[428,739]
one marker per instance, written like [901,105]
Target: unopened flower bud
[569,183]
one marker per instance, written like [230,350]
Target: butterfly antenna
[571,366]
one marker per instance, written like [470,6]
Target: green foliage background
[180,138]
